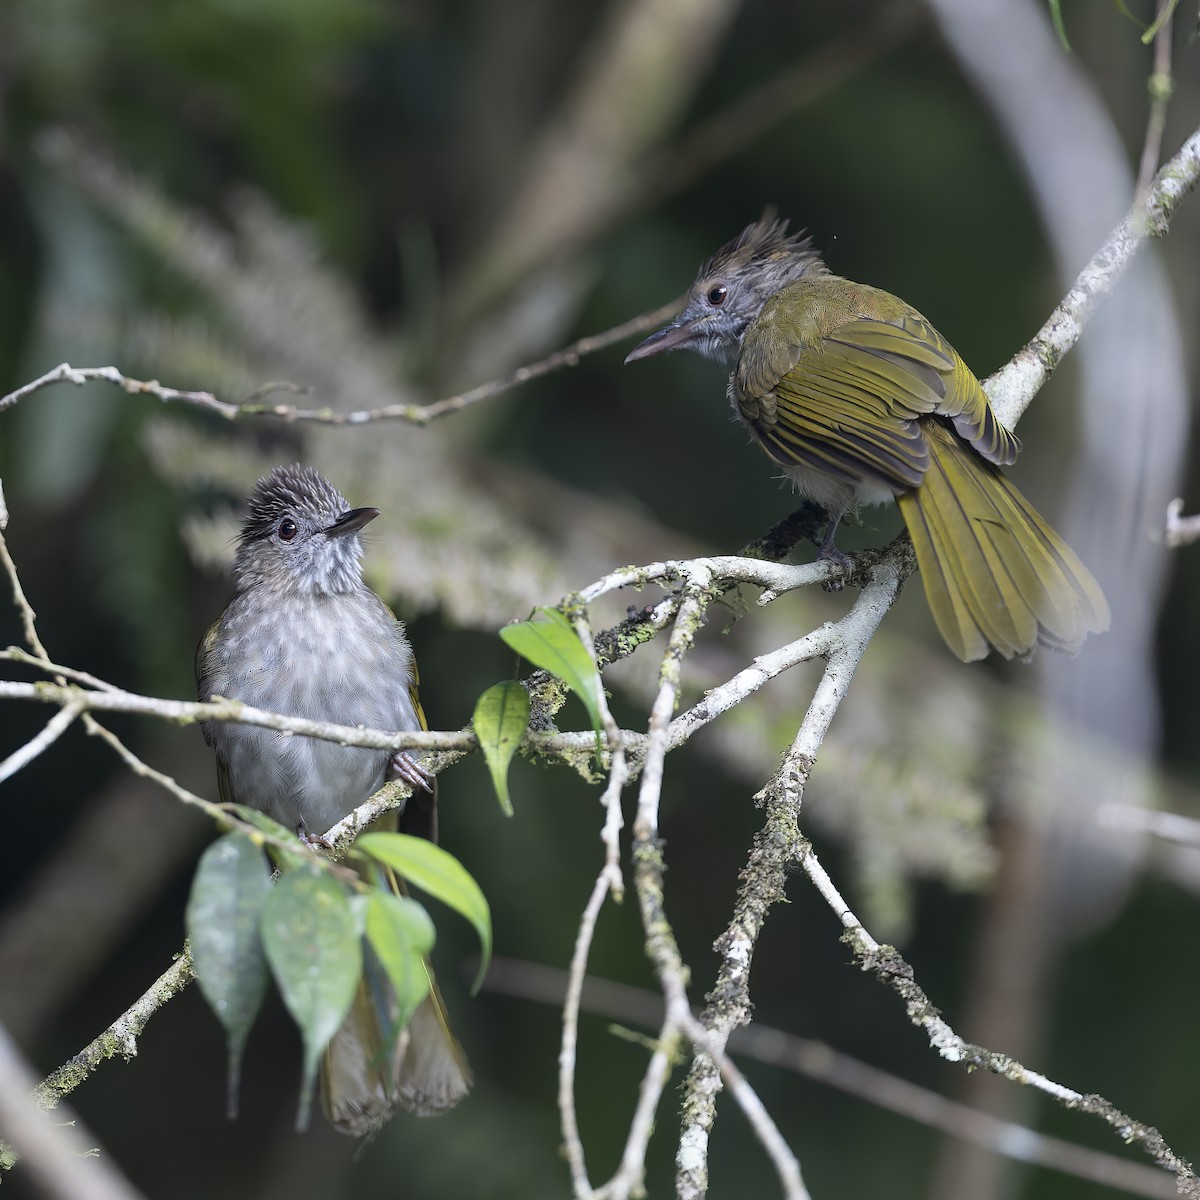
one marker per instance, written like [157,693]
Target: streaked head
[300,534]
[731,288]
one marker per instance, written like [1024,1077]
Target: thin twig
[890,968]
[60,1155]
[728,1003]
[413,414]
[815,1060]
[189,712]
[661,946]
[1012,388]
[28,616]
[1160,85]
[65,373]
[648,867]
[54,729]
[569,1044]
[120,1038]
[16,654]
[608,881]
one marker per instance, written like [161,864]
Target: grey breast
[332,658]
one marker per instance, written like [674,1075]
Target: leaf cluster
[315,930]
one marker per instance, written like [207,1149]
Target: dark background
[385,146]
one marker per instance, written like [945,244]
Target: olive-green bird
[862,401]
[305,636]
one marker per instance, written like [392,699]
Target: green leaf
[268,825]
[229,893]
[400,933]
[311,938]
[260,820]
[1164,15]
[441,875]
[1059,25]
[501,717]
[549,641]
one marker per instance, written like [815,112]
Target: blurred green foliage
[392,135]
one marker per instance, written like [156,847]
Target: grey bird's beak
[675,336]
[351,521]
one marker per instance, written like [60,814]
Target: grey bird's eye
[716,295]
[287,529]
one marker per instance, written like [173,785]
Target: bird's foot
[314,841]
[405,766]
[832,554]
[827,551]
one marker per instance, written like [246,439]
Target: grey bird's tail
[363,1083]
[425,1072]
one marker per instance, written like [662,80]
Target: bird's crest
[293,488]
[765,242]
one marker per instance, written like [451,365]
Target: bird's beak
[675,336]
[351,521]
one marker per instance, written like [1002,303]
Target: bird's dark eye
[287,529]
[716,295]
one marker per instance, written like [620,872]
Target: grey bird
[306,637]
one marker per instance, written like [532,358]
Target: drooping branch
[821,1063]
[887,965]
[774,851]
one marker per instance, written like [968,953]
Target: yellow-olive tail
[996,575]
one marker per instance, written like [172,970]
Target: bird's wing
[419,815]
[205,666]
[945,387]
[849,404]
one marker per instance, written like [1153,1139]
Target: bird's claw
[832,554]
[405,766]
[314,841]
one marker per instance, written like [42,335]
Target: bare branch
[1167,826]
[773,852]
[55,728]
[609,880]
[815,1060]
[16,654]
[889,967]
[413,414]
[60,1155]
[120,1038]
[1180,530]
[65,373]
[188,712]
[1012,388]
[1160,86]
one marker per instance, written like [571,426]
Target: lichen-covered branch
[887,965]
[1012,388]
[411,413]
[120,1038]
[775,849]
[59,1155]
[544,984]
